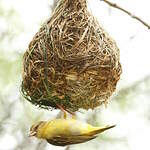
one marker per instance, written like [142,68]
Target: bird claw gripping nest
[71,61]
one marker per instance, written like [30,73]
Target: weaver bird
[62,132]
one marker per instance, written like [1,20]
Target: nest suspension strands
[71,62]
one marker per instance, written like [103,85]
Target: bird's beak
[32,134]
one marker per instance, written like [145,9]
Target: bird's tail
[98,130]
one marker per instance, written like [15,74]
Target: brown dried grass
[71,61]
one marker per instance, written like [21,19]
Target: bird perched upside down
[62,132]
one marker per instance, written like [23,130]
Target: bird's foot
[65,112]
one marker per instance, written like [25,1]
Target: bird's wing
[68,140]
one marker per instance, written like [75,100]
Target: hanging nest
[71,61]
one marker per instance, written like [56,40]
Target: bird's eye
[36,127]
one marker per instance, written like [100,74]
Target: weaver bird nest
[71,61]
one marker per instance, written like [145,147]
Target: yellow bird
[62,132]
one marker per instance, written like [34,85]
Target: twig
[114,5]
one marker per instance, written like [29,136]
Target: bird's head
[34,128]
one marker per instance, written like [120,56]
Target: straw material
[71,61]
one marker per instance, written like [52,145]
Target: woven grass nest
[71,61]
